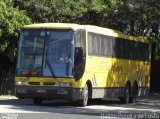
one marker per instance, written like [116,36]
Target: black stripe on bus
[108,46]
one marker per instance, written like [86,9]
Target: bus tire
[84,101]
[125,99]
[134,94]
[37,101]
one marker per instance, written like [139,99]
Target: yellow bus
[81,62]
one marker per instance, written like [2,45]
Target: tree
[11,21]
[132,17]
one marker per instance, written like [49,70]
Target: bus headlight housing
[63,84]
[21,82]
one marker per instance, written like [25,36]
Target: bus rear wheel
[84,101]
[134,94]
[37,101]
[126,97]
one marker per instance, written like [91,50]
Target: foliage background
[132,17]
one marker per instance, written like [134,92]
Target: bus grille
[34,83]
[48,83]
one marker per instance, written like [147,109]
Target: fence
[7,82]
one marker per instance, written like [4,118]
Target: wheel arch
[128,83]
[89,84]
[135,83]
[130,87]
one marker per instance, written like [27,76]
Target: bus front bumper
[45,92]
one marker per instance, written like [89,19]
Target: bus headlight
[63,84]
[21,82]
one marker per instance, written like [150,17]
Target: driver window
[80,41]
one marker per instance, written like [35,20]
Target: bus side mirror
[78,55]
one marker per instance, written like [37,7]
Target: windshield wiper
[31,65]
[49,66]
[68,65]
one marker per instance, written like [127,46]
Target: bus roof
[56,26]
[89,28]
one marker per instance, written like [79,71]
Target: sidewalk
[7,97]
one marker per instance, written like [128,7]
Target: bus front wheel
[84,101]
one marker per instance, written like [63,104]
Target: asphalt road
[147,107]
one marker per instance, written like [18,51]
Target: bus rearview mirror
[78,55]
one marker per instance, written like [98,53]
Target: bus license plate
[62,92]
[41,91]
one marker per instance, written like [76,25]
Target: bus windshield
[46,53]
